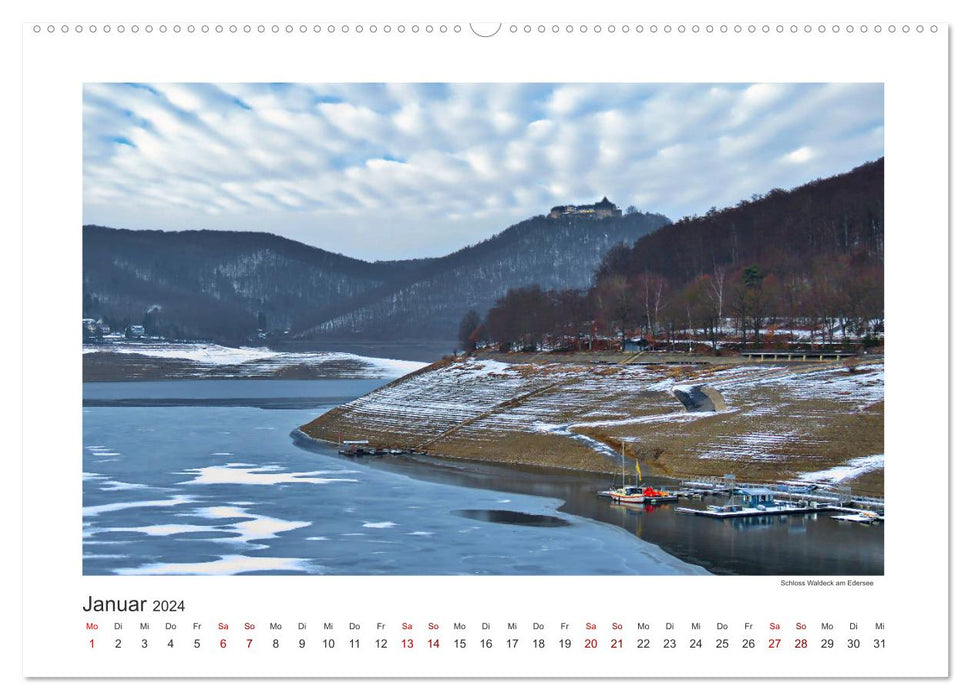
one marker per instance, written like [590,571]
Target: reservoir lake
[206,477]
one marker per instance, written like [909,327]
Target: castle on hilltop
[604,209]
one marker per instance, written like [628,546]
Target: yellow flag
[637,466]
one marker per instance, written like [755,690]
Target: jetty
[757,501]
[367,451]
[735,511]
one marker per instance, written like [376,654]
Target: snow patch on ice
[110,507]
[225,565]
[250,474]
[163,530]
[252,526]
[112,485]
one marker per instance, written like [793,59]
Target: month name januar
[113,605]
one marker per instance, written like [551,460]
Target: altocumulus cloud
[406,170]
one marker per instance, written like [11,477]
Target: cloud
[800,155]
[404,170]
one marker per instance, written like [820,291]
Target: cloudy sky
[408,170]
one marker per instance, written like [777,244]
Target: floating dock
[743,512]
[853,515]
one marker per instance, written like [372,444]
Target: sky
[394,171]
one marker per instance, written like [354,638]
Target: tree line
[809,259]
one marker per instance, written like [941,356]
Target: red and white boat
[627,494]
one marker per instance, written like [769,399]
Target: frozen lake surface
[202,477]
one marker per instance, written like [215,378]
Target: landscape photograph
[483,329]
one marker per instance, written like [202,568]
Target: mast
[623,464]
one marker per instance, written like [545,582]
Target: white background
[916,222]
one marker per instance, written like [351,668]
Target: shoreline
[506,479]
[768,423]
[696,542]
[162,361]
[513,467]
[806,545]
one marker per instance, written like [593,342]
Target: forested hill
[224,285]
[785,232]
[217,284]
[808,258]
[551,253]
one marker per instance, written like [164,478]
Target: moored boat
[652,495]
[866,517]
[633,493]
[627,494]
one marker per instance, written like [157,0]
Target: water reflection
[801,544]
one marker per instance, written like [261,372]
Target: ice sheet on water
[102,451]
[90,511]
[251,526]
[112,485]
[225,565]
[266,475]
[161,530]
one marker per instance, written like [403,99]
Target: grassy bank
[781,420]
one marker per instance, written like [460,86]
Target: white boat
[625,493]
[865,517]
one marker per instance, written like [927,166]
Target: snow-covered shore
[812,421]
[214,361]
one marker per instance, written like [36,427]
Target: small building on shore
[756,497]
[135,331]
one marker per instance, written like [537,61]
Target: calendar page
[422,346]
